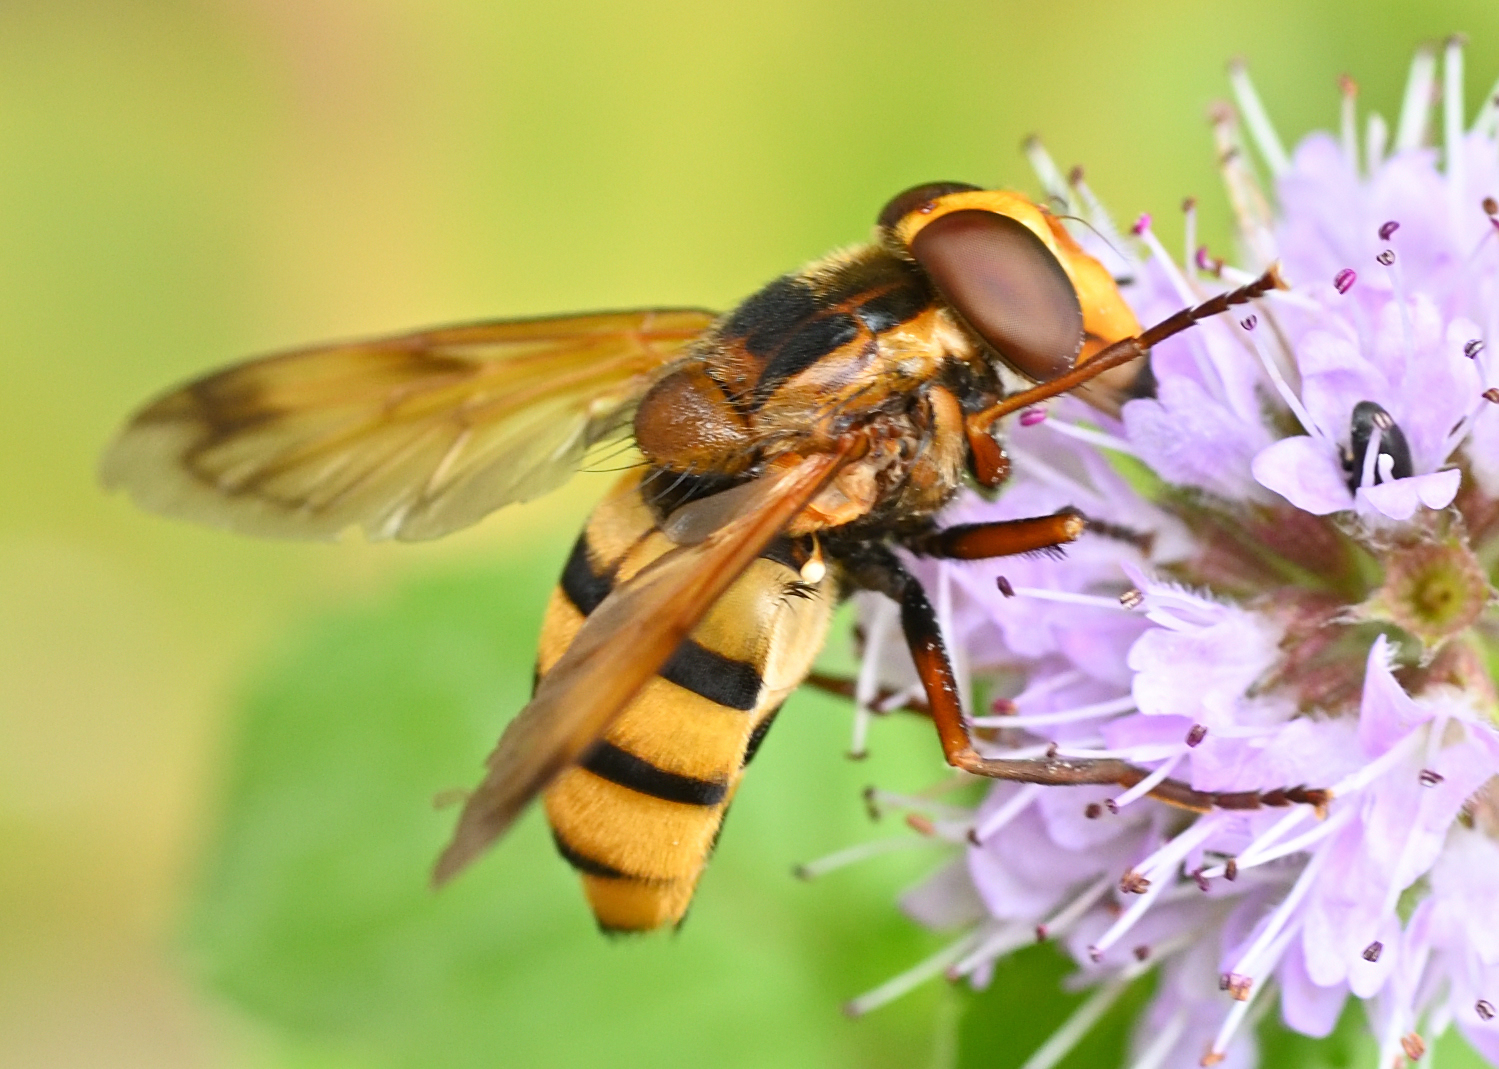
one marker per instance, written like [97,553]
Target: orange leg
[884,573]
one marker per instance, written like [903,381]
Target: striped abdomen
[638,817]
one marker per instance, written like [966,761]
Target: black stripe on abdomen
[608,761]
[585,864]
[711,675]
[584,587]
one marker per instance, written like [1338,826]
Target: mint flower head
[1285,599]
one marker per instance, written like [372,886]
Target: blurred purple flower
[1301,597]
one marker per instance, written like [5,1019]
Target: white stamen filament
[1249,962]
[1068,598]
[1011,809]
[1386,465]
[1282,387]
[1142,754]
[1162,1046]
[852,855]
[1049,175]
[1125,704]
[867,685]
[1416,106]
[1101,220]
[1075,1027]
[1452,129]
[1010,937]
[1189,235]
[917,974]
[1092,437]
[1150,782]
[1047,685]
[1374,144]
[1357,781]
[1258,120]
[1179,283]
[1168,855]
[1061,922]
[1486,122]
[913,803]
[1263,856]
[1240,1010]
[1349,126]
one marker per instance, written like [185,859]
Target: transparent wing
[620,646]
[407,437]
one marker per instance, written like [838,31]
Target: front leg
[876,568]
[1001,538]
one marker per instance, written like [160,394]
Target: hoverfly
[789,446]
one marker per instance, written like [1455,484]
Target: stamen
[916,975]
[1416,106]
[1372,951]
[867,685]
[1163,859]
[1125,704]
[1146,785]
[1075,1027]
[1005,813]
[1283,388]
[1098,215]
[1061,922]
[1249,962]
[1179,283]
[1485,1009]
[1032,416]
[1164,1044]
[1069,598]
[1472,348]
[1258,120]
[1092,437]
[1049,174]
[1010,937]
[1386,466]
[1197,733]
[1250,207]
[1357,781]
[852,855]
[1219,1050]
[1387,230]
[1349,126]
[1377,136]
[1004,586]
[1294,846]
[1343,281]
[1452,128]
[1413,1045]
[1189,224]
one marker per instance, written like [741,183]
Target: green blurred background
[216,755]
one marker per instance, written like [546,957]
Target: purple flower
[1302,598]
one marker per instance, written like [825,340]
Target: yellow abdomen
[639,815]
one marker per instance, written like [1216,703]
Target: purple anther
[1343,281]
[1387,257]
[1491,395]
[1387,230]
[1142,224]
[1373,950]
[1430,777]
[1473,348]
[1005,586]
[1249,322]
[1484,1008]
[1032,416]
[1197,734]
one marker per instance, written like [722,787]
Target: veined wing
[406,437]
[620,646]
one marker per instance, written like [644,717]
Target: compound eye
[1008,285]
[903,204]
